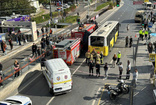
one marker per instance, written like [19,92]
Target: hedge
[102,6]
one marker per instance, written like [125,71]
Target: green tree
[7,7]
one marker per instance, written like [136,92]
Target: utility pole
[50,13]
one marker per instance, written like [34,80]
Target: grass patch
[46,17]
[69,19]
[102,6]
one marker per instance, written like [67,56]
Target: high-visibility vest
[146,32]
[119,55]
[143,33]
[140,32]
[98,57]
[87,54]
[91,57]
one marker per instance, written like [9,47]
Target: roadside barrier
[20,69]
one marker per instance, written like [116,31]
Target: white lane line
[143,88]
[50,100]
[111,61]
[78,67]
[96,94]
[136,93]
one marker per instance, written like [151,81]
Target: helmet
[122,81]
[119,52]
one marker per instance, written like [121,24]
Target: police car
[16,100]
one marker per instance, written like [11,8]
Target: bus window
[97,41]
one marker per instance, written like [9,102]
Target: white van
[58,76]
[148,5]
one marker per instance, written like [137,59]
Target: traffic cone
[135,35]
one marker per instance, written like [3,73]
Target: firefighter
[101,58]
[87,57]
[98,56]
[94,55]
[91,57]
[140,33]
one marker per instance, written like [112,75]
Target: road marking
[143,88]
[136,93]
[96,94]
[101,96]
[111,61]
[78,67]
[50,100]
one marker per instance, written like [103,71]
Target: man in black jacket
[34,49]
[91,65]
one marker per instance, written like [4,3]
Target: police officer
[140,33]
[118,57]
[143,34]
[146,34]
[101,57]
[94,55]
[87,56]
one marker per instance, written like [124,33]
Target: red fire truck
[83,31]
[68,50]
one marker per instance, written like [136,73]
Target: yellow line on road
[101,96]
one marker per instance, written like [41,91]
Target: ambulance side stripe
[61,82]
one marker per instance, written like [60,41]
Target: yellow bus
[104,38]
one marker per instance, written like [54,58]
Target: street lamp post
[50,13]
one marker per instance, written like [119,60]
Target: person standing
[94,55]
[128,27]
[146,34]
[143,34]
[19,39]
[120,70]
[91,57]
[114,60]
[47,42]
[126,41]
[118,57]
[2,48]
[135,77]
[130,42]
[91,67]
[1,68]
[154,43]
[140,33]
[50,34]
[98,58]
[87,55]
[42,30]
[24,38]
[128,69]
[101,57]
[34,49]
[16,68]
[106,69]
[98,69]
[38,51]
[38,33]
[11,44]
[43,39]
[150,48]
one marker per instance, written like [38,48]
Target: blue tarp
[153,34]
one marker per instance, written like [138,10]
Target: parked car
[16,100]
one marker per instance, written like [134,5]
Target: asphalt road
[89,90]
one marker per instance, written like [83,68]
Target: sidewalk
[143,93]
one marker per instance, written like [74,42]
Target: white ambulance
[58,76]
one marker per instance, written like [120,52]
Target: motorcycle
[119,89]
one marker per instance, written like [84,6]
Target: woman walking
[16,68]
[10,43]
[114,60]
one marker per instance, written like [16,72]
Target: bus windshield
[148,5]
[97,41]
